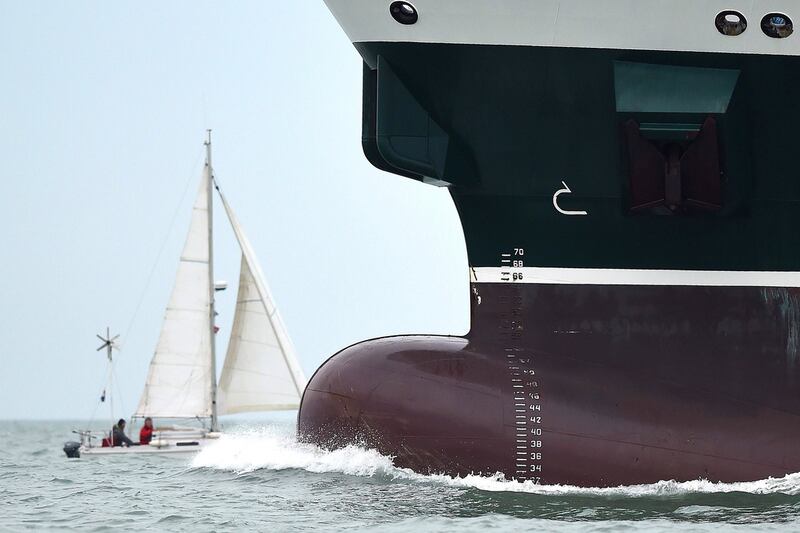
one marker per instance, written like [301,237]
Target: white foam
[275,448]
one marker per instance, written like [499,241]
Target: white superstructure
[665,25]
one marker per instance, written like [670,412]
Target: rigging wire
[97,404]
[111,377]
[163,245]
[115,383]
[107,388]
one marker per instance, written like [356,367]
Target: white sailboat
[260,372]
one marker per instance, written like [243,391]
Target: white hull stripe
[605,276]
[674,25]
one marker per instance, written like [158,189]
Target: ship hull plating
[584,385]
[630,210]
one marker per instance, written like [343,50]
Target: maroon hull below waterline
[579,384]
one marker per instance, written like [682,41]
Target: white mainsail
[261,371]
[180,372]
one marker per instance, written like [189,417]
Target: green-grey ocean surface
[259,477]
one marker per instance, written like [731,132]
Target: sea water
[258,477]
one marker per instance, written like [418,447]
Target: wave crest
[274,448]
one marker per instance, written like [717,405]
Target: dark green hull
[520,120]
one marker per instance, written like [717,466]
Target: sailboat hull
[168,442]
[143,450]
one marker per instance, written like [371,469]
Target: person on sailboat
[146,433]
[118,437]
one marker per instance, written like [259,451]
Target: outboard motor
[72,449]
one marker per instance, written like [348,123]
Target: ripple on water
[261,478]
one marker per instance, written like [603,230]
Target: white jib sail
[180,372]
[261,371]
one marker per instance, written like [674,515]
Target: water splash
[275,448]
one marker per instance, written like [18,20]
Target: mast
[211,307]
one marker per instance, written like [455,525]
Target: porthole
[731,23]
[777,25]
[404,12]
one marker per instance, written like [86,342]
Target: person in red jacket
[146,433]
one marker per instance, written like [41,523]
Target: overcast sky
[103,109]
